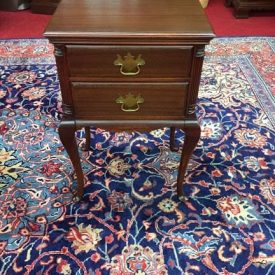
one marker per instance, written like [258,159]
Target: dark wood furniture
[14,5]
[44,6]
[129,65]
[242,8]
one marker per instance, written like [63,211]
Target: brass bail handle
[129,102]
[129,65]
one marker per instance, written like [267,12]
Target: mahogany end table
[129,65]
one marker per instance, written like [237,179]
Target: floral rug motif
[130,220]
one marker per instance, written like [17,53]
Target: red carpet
[25,24]
[260,23]
[130,220]
[22,24]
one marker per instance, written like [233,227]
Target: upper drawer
[127,63]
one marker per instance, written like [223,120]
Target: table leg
[67,136]
[87,145]
[192,136]
[173,147]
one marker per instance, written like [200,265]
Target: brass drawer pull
[129,102]
[129,65]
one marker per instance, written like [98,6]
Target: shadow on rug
[130,220]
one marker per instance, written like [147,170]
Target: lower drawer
[129,100]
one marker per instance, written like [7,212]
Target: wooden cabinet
[129,65]
[44,6]
[243,7]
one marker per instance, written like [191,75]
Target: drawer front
[129,63]
[129,101]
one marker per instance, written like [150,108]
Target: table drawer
[137,63]
[129,100]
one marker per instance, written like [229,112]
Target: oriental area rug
[130,220]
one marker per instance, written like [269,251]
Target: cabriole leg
[192,136]
[67,136]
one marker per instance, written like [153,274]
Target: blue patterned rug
[130,220]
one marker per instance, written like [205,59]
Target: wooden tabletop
[135,18]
